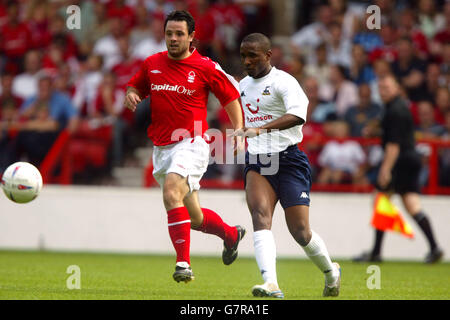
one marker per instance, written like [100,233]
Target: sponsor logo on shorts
[304,195]
[175,88]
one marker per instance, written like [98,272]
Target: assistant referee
[400,168]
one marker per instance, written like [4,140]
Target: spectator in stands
[37,22]
[345,92]
[100,25]
[363,115]
[154,43]
[142,30]
[409,69]
[444,159]
[164,7]
[427,127]
[15,39]
[347,16]
[9,112]
[119,9]
[64,81]
[318,110]
[342,160]
[369,39]
[312,35]
[321,70]
[442,37]
[25,84]
[109,107]
[430,20]
[128,65]
[254,12]
[382,68]
[433,80]
[360,70]
[339,48]
[43,118]
[297,68]
[107,46]
[442,100]
[408,28]
[7,96]
[387,50]
[229,23]
[87,84]
[61,36]
[278,60]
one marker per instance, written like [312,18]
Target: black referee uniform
[398,127]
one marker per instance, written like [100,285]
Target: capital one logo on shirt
[175,88]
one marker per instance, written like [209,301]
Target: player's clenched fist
[132,99]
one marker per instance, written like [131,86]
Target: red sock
[213,224]
[179,223]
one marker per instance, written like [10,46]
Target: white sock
[317,252]
[266,255]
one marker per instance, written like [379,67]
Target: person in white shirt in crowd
[153,44]
[25,84]
[310,36]
[345,92]
[108,46]
[342,160]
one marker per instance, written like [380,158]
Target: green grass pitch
[42,275]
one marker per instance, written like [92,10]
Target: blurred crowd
[54,78]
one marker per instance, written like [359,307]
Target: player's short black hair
[259,38]
[181,15]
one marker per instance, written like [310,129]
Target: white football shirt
[268,98]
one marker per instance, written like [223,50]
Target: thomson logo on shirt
[176,88]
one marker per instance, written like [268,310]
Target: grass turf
[42,275]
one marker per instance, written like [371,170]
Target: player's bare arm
[284,122]
[234,112]
[132,98]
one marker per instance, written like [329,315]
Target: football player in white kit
[275,111]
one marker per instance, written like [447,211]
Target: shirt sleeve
[224,87]
[140,80]
[294,98]
[395,129]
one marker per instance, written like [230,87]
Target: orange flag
[386,216]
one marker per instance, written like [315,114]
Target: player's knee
[172,197]
[301,234]
[261,219]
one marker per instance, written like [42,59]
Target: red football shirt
[179,91]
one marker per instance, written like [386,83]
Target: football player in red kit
[178,82]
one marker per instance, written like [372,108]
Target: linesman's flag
[386,216]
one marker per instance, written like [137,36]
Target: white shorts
[189,158]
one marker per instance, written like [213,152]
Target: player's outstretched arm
[234,112]
[132,98]
[284,122]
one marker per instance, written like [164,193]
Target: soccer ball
[21,182]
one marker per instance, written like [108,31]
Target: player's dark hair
[181,16]
[259,38]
